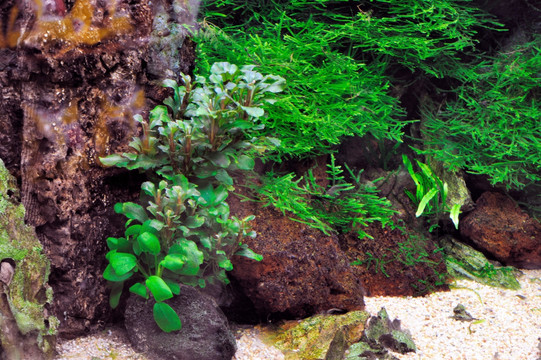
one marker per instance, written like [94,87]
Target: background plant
[185,233]
[492,127]
[344,205]
[430,195]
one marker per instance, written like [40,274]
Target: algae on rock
[26,329]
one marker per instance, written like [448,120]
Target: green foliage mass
[344,205]
[494,125]
[184,233]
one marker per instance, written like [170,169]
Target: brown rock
[500,228]
[303,271]
[395,262]
[71,80]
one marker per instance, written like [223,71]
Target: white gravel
[508,327]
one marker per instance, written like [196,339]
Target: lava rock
[205,332]
[500,228]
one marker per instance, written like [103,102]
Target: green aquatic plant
[492,128]
[431,194]
[184,233]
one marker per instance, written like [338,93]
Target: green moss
[28,292]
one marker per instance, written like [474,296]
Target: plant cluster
[431,194]
[493,126]
[189,149]
[344,205]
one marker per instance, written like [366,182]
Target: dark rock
[500,228]
[395,262]
[205,332]
[69,98]
[303,271]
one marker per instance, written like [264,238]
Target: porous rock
[205,332]
[498,227]
[303,271]
[71,78]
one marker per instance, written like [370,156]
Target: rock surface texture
[26,330]
[500,228]
[72,75]
[303,271]
[205,332]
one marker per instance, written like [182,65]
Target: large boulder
[303,271]
[500,228]
[27,331]
[205,332]
[72,75]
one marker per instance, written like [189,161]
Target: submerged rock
[27,331]
[463,261]
[205,332]
[500,228]
[318,337]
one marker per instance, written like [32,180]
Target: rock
[318,337]
[27,331]
[69,97]
[205,332]
[397,262]
[463,261]
[303,271]
[500,228]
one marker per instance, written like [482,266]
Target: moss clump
[23,315]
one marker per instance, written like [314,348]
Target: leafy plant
[431,194]
[184,233]
[492,128]
[343,206]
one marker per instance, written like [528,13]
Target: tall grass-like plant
[493,127]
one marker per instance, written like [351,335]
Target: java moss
[26,294]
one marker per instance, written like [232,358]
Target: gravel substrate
[508,327]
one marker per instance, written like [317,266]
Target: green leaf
[424,201]
[158,288]
[114,160]
[139,289]
[166,318]
[194,222]
[245,162]
[173,262]
[119,244]
[225,264]
[149,243]
[455,210]
[132,211]
[194,257]
[253,111]
[223,177]
[173,285]
[219,159]
[249,253]
[133,230]
[110,274]
[149,188]
[122,262]
[116,291]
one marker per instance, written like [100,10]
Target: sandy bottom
[508,327]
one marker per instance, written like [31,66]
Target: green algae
[26,294]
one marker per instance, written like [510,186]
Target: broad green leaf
[223,177]
[149,188]
[159,115]
[116,291]
[194,222]
[114,160]
[166,318]
[194,257]
[220,194]
[119,244]
[249,253]
[253,111]
[455,211]
[158,288]
[173,285]
[122,262]
[219,159]
[110,274]
[424,201]
[153,226]
[133,230]
[225,264]
[245,162]
[132,211]
[139,289]
[149,243]
[173,262]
